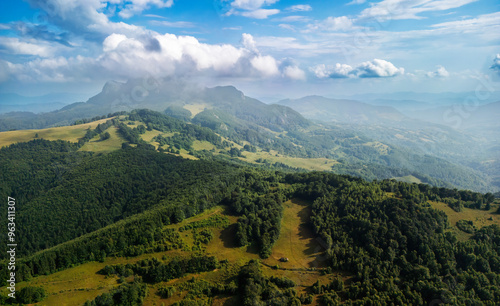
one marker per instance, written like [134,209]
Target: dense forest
[78,207]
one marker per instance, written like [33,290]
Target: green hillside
[145,227]
[152,209]
[367,149]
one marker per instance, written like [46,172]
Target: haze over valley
[250,152]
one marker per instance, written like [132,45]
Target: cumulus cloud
[338,71]
[159,55]
[378,68]
[248,42]
[440,72]
[294,73]
[266,65]
[112,41]
[290,70]
[370,69]
[121,50]
[300,8]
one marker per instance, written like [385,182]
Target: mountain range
[360,139]
[180,195]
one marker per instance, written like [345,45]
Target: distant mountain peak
[229,92]
[111,87]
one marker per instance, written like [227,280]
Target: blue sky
[264,47]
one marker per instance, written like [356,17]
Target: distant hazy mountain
[10,102]
[347,111]
[436,99]
[406,107]
[473,144]
[463,116]
[482,122]
[424,105]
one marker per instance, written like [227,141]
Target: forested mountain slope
[379,242]
[368,141]
[370,151]
[325,147]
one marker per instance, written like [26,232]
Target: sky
[266,48]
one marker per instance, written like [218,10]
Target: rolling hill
[141,226]
[370,150]
[474,145]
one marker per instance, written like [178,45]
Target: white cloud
[14,45]
[88,18]
[300,8]
[252,8]
[248,42]
[112,41]
[282,44]
[154,16]
[338,71]
[294,73]
[266,65]
[233,28]
[293,18]
[409,9]
[440,72]
[337,23]
[353,2]
[471,24]
[173,24]
[124,57]
[286,26]
[57,69]
[260,13]
[371,69]
[135,7]
[377,68]
[332,24]
[251,4]
[422,44]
